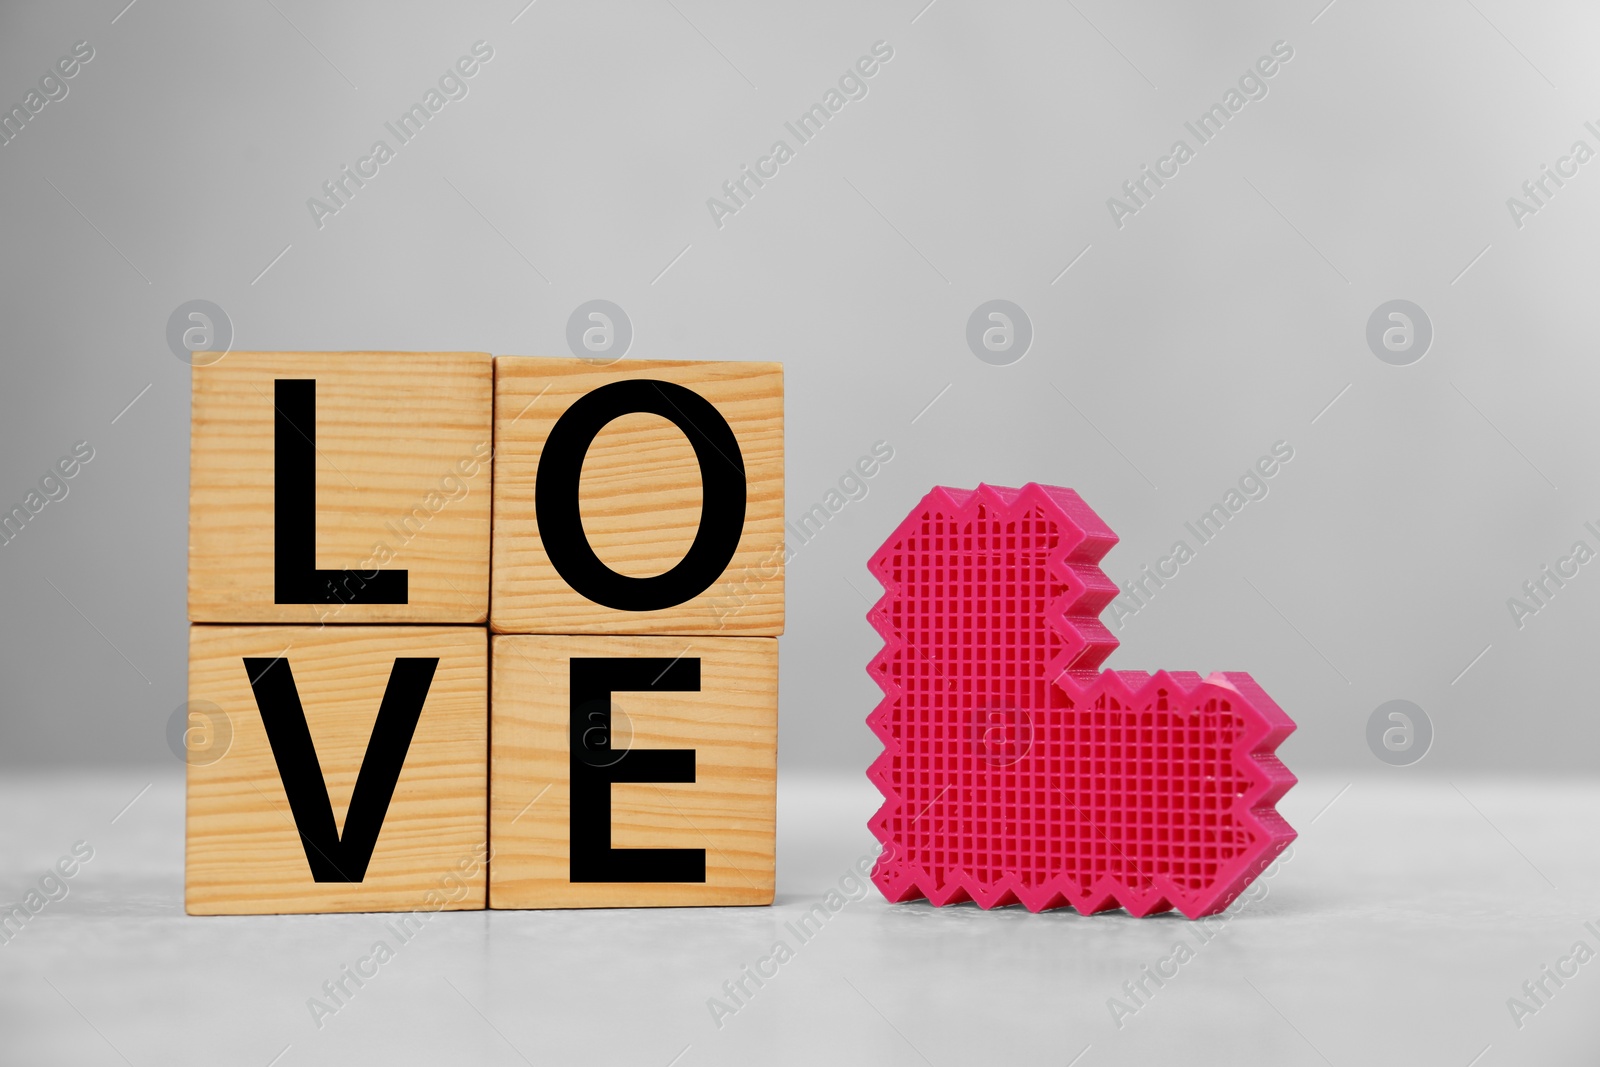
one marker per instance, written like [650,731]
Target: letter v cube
[345,769]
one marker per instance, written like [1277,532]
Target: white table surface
[1408,913]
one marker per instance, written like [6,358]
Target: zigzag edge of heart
[1265,725]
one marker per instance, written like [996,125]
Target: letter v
[336,858]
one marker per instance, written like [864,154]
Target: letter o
[723,492]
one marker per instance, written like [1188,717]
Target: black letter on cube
[722,481]
[336,858]
[296,578]
[595,766]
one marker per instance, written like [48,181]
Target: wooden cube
[347,769]
[341,487]
[632,771]
[638,497]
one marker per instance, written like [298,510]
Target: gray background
[1225,316]
[1228,314]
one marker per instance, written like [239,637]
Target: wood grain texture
[244,853]
[403,481]
[729,810]
[640,498]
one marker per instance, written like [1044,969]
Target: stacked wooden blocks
[608,739]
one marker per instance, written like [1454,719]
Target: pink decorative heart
[1012,771]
